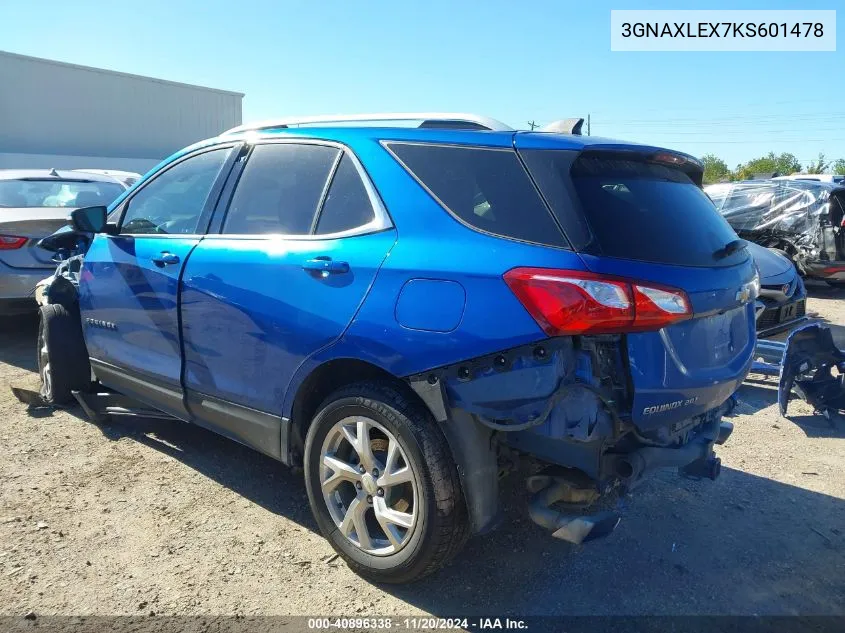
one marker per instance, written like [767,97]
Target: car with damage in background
[33,204]
[805,219]
[782,303]
[409,310]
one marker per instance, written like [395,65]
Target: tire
[432,496]
[62,355]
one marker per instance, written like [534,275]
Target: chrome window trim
[380,222]
[296,238]
[160,235]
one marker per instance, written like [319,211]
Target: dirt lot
[140,517]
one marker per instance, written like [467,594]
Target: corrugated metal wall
[49,107]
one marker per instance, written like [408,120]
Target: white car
[128,178]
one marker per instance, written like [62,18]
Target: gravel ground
[155,517]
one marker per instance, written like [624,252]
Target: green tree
[838,166]
[784,164]
[818,167]
[715,169]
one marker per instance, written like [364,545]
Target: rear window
[637,210]
[488,189]
[31,193]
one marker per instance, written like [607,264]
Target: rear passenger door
[301,233]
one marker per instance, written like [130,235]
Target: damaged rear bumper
[566,407]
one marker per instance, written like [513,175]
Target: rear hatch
[638,213]
[29,225]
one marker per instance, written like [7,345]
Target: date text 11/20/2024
[418,624]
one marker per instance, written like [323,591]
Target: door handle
[164,259]
[325,266]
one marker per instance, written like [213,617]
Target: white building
[61,115]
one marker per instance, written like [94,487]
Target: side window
[172,202]
[485,188]
[280,189]
[347,204]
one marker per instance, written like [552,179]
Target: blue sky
[514,61]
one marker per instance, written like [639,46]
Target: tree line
[716,170]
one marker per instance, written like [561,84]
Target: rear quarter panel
[433,246]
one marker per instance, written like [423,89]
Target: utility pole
[532,125]
[588,125]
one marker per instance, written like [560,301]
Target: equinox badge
[106,325]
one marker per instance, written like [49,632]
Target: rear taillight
[11,242]
[566,302]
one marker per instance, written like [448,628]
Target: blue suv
[408,313]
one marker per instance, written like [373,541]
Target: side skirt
[264,432]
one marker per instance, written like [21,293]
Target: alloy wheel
[368,485]
[44,365]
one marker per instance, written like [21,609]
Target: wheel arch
[318,384]
[471,445]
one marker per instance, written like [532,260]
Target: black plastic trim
[265,432]
[145,389]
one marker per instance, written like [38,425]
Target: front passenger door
[130,281]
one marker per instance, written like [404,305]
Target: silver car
[34,203]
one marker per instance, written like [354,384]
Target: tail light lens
[830,270]
[11,242]
[565,302]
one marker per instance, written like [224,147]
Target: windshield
[57,193]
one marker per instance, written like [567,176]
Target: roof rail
[564,126]
[442,120]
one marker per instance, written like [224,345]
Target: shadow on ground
[758,392]
[18,336]
[741,545]
[817,289]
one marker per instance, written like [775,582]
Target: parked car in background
[128,178]
[804,219]
[33,204]
[782,303]
[409,312]
[837,179]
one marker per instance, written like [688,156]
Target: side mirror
[89,219]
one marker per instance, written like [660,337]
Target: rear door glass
[486,188]
[640,210]
[347,205]
[280,189]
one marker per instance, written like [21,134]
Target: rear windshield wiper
[729,249]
